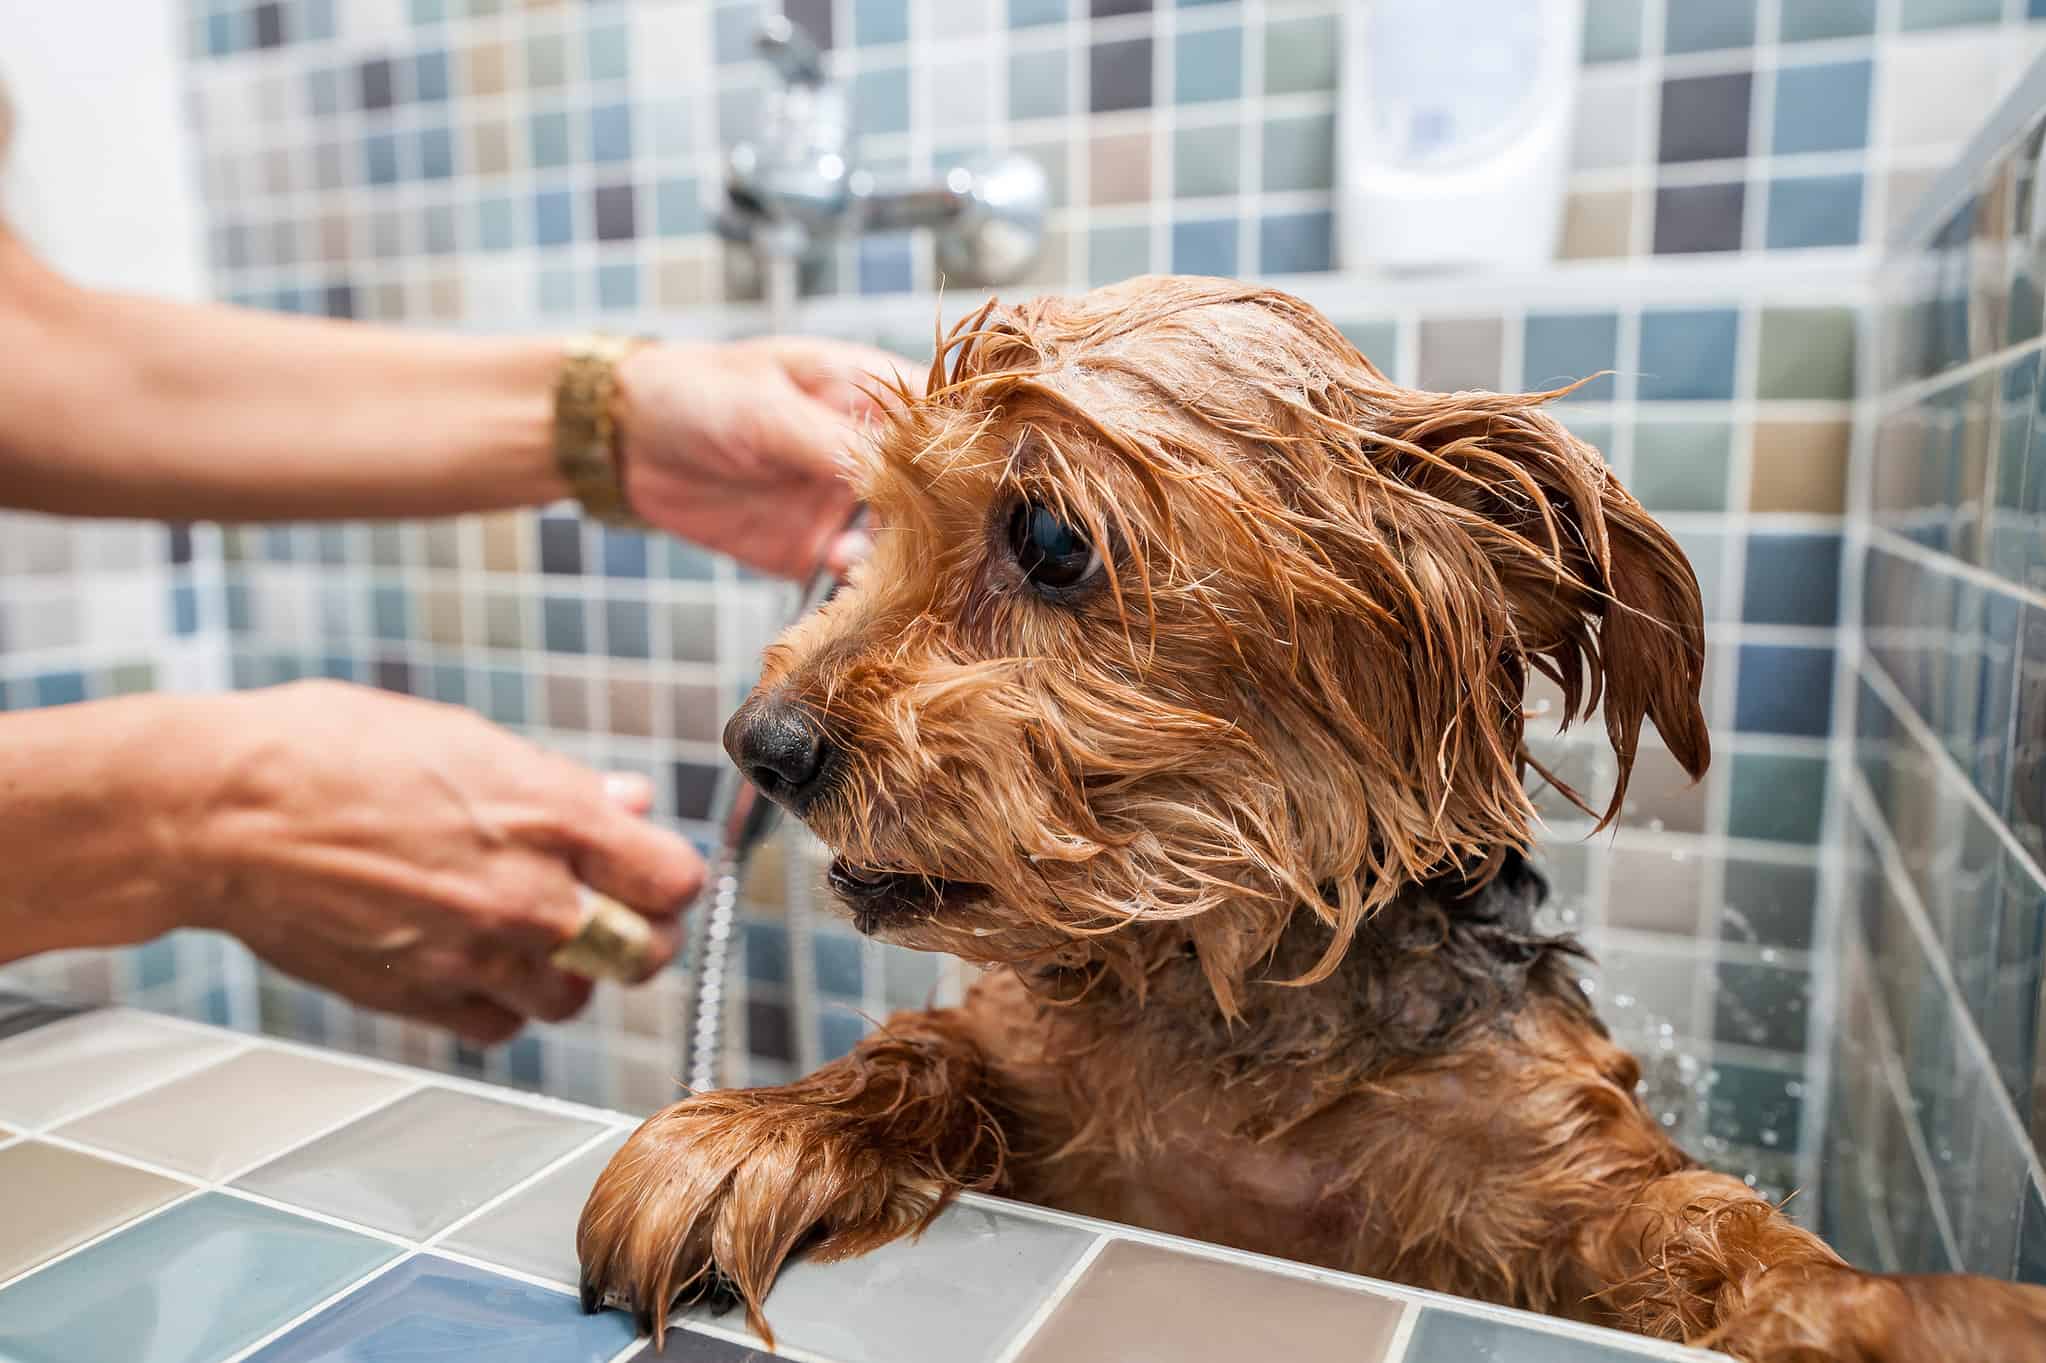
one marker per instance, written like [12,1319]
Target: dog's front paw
[711,1196]
[1844,1314]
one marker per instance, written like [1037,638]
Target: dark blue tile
[767,951]
[561,545]
[561,625]
[886,265]
[839,1029]
[695,788]
[1119,75]
[1753,1106]
[1560,348]
[1784,689]
[429,1306]
[553,217]
[184,609]
[1705,118]
[1688,355]
[768,1033]
[374,83]
[393,675]
[1792,579]
[1814,210]
[1205,247]
[838,964]
[612,210]
[1708,25]
[1695,218]
[624,553]
[1822,107]
[1296,243]
[611,132]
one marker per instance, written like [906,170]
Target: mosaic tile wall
[1939,1088]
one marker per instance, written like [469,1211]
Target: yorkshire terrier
[1183,691]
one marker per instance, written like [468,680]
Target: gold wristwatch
[587,447]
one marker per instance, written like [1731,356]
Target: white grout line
[1403,1333]
[1052,1300]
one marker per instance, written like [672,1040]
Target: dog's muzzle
[782,749]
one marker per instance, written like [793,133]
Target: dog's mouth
[878,896]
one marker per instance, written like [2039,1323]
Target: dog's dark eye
[1052,554]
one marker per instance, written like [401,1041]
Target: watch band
[586,437]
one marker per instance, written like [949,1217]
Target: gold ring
[612,943]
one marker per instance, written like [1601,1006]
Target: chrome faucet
[799,185]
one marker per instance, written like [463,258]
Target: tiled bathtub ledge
[179,1194]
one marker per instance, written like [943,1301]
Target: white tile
[60,1070]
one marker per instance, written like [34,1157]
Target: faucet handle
[789,51]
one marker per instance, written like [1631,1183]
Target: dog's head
[1182,620]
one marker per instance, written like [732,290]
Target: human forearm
[114,405]
[94,800]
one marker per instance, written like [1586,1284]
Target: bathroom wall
[490,164]
[1939,1096]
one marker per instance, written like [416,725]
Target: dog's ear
[1602,600]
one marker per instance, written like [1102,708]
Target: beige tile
[1902,190]
[1651,890]
[226,1117]
[1140,1303]
[390,301]
[683,281]
[1598,225]
[632,707]
[505,545]
[1460,354]
[1119,169]
[444,615]
[1800,466]
[487,69]
[58,1071]
[58,1198]
[490,147]
[698,713]
[444,299]
[1661,795]
[568,702]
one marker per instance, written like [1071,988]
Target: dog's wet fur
[1184,694]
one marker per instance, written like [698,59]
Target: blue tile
[611,132]
[885,264]
[1295,243]
[881,100]
[626,629]
[389,613]
[1208,65]
[1563,347]
[507,703]
[436,153]
[624,553]
[678,209]
[1815,20]
[553,217]
[1038,84]
[1452,1337]
[59,688]
[1117,253]
[1705,25]
[618,287]
[185,609]
[497,225]
[323,92]
[317,20]
[1777,797]
[1822,108]
[1784,689]
[880,21]
[1299,153]
[434,1307]
[767,952]
[221,35]
[430,76]
[839,1029]
[733,30]
[1205,247]
[837,957]
[605,54]
[1031,13]
[450,687]
[380,159]
[1814,210]
[1688,355]
[561,625]
[1924,14]
[1792,579]
[200,1281]
[549,139]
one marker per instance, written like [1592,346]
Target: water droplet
[1748,1179]
[1770,955]
[1769,1137]
[1655,825]
[1623,1000]
[1588,985]
[1669,1119]
[1795,1088]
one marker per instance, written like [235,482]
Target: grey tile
[1207,161]
[961,1291]
[1459,354]
[1694,218]
[1705,118]
[1119,75]
[426,1160]
[1139,1301]
[58,1199]
[534,1232]
[226,1117]
[66,1067]
[1452,1337]
[198,1282]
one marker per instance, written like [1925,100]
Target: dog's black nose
[781,748]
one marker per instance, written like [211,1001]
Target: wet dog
[1184,692]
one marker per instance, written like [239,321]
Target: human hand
[415,858]
[741,447]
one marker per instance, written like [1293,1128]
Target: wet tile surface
[228,1116]
[57,1199]
[415,1167]
[958,1293]
[1445,1337]
[433,1308]
[192,1285]
[1144,1304]
[78,1063]
[534,1232]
